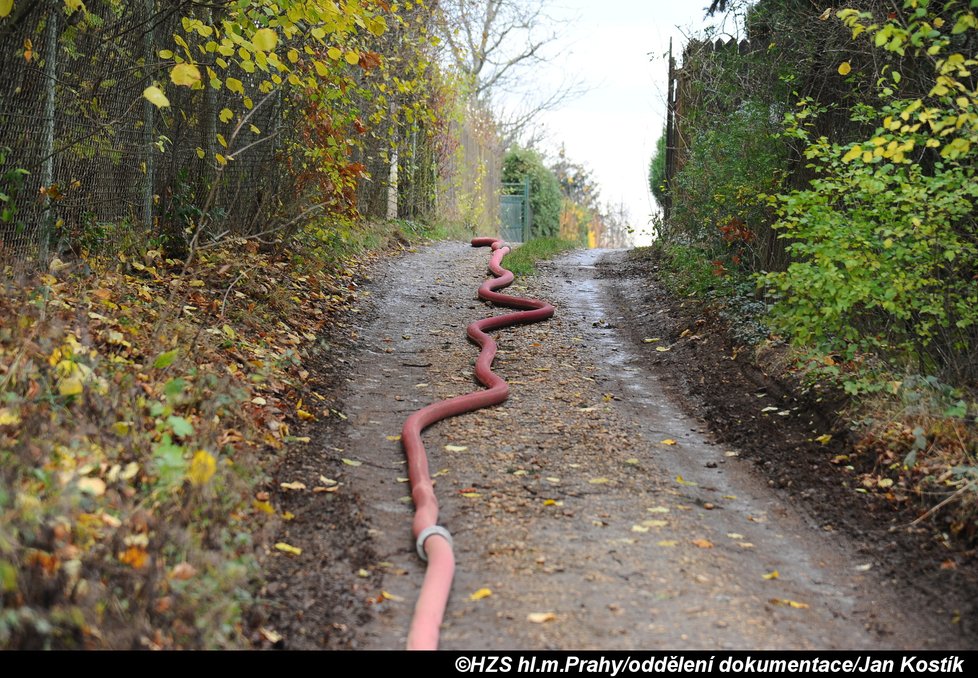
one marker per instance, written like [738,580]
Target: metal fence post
[148,117]
[50,93]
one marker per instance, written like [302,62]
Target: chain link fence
[87,164]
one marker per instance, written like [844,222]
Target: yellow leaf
[305,416]
[390,596]
[668,441]
[74,5]
[789,603]
[599,481]
[549,502]
[654,523]
[631,460]
[456,448]
[845,68]
[8,417]
[824,439]
[226,114]
[658,509]
[393,439]
[667,542]
[735,535]
[771,575]
[334,53]
[352,58]
[156,97]
[650,340]
[471,495]
[480,594]
[639,528]
[351,462]
[202,468]
[293,486]
[70,387]
[263,506]
[661,349]
[541,617]
[265,39]
[5,7]
[682,481]
[234,85]
[288,548]
[185,75]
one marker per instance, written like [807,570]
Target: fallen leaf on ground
[270,635]
[599,481]
[183,571]
[745,545]
[540,617]
[654,523]
[824,439]
[470,495]
[288,548]
[735,535]
[682,481]
[456,448]
[632,461]
[789,603]
[549,502]
[650,340]
[391,596]
[327,481]
[403,480]
[393,439]
[480,594]
[362,573]
[639,528]
[92,486]
[703,543]
[667,542]
[351,462]
[293,486]
[864,568]
[658,509]
[773,574]
[662,349]
[668,441]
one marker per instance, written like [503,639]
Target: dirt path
[565,500]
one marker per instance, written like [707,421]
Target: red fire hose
[434,543]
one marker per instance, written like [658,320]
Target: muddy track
[565,502]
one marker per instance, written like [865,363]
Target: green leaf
[174,387]
[226,115]
[168,460]
[180,426]
[164,360]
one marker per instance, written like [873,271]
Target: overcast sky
[617,48]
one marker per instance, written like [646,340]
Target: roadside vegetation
[821,192]
[522,259]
